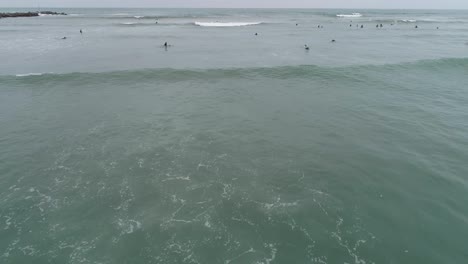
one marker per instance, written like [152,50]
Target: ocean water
[230,147]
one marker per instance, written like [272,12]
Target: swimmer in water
[306,47]
[362,26]
[333,40]
[256,34]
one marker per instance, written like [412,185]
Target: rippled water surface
[231,147]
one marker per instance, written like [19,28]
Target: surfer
[64,38]
[256,34]
[362,26]
[306,47]
[416,26]
[165,44]
[333,40]
[81,31]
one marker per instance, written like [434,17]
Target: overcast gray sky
[420,4]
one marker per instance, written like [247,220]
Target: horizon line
[153,7]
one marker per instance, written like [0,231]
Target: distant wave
[350,15]
[408,20]
[443,20]
[226,24]
[281,72]
[151,17]
[420,20]
[134,24]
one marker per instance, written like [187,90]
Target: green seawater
[234,148]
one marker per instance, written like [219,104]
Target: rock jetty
[30,14]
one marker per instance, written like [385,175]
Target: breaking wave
[350,15]
[226,24]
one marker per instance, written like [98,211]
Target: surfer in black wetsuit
[165,44]
[81,31]
[306,47]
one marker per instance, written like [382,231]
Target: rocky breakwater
[30,14]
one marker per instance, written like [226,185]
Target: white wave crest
[350,15]
[408,20]
[226,24]
[29,74]
[138,17]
